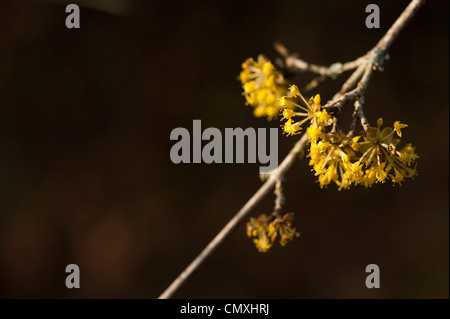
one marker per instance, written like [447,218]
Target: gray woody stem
[281,170]
[238,218]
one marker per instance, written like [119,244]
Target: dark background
[86,178]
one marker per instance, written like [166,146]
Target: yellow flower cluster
[310,111]
[360,160]
[263,86]
[266,229]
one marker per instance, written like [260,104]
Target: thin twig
[351,81]
[407,14]
[338,104]
[359,103]
[369,61]
[279,197]
[298,65]
[358,114]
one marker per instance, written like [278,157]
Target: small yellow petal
[317,99]
[294,90]
[380,122]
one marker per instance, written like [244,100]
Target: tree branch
[364,66]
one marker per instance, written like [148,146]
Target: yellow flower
[291,129]
[331,158]
[355,145]
[273,231]
[287,233]
[407,155]
[263,85]
[249,87]
[296,105]
[313,132]
[398,178]
[295,92]
[343,184]
[381,174]
[379,122]
[322,117]
[259,111]
[262,243]
[266,229]
[369,178]
[288,113]
[284,102]
[398,127]
[317,99]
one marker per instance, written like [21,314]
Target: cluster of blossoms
[267,229]
[345,160]
[310,111]
[263,86]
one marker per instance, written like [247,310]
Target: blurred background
[86,177]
